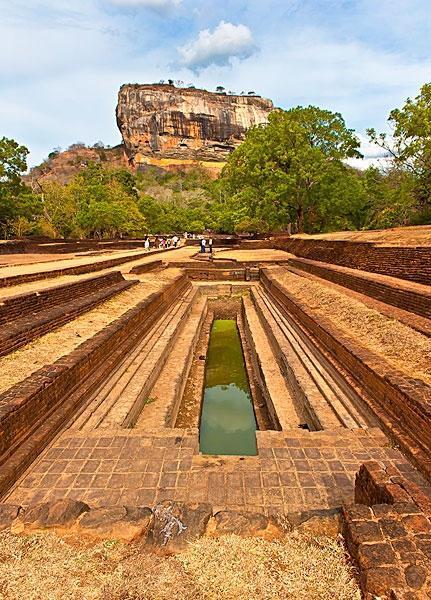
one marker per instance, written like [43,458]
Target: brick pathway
[293,471]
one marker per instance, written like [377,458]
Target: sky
[63,61]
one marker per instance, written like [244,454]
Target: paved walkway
[294,470]
[75,261]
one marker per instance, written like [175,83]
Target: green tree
[410,142]
[13,163]
[277,172]
[60,208]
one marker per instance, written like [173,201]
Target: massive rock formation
[167,126]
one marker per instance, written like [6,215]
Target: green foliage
[279,172]
[291,171]
[16,200]
[410,148]
[97,203]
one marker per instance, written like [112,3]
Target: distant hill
[63,166]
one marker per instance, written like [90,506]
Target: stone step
[330,401]
[284,411]
[169,387]
[134,377]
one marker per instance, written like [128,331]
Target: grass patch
[46,567]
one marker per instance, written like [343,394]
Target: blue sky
[63,61]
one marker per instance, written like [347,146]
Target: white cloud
[219,46]
[59,83]
[372,154]
[154,4]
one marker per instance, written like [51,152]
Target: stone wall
[388,533]
[31,412]
[412,263]
[402,404]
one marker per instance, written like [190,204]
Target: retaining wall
[21,305]
[32,411]
[401,297]
[57,307]
[402,404]
[30,246]
[146,267]
[388,534]
[412,263]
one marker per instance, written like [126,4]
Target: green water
[228,425]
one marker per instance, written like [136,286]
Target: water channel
[228,424]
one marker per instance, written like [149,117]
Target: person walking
[210,245]
[147,244]
[175,239]
[203,245]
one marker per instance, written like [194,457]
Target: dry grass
[404,348]
[47,349]
[417,235]
[44,567]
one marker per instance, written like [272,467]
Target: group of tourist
[162,243]
[173,242]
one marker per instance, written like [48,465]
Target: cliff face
[164,125]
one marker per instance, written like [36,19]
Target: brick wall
[32,411]
[78,270]
[412,263]
[149,266]
[407,299]
[402,404]
[207,274]
[57,307]
[21,305]
[30,246]
[256,244]
[388,534]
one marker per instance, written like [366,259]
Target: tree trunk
[299,219]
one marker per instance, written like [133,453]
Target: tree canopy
[410,147]
[291,171]
[277,175]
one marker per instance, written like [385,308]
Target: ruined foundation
[343,441]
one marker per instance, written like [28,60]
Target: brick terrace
[294,470]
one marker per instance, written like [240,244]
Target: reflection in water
[228,425]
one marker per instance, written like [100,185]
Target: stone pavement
[294,470]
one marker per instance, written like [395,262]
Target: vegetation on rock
[290,171]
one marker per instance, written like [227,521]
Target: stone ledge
[388,534]
[168,527]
